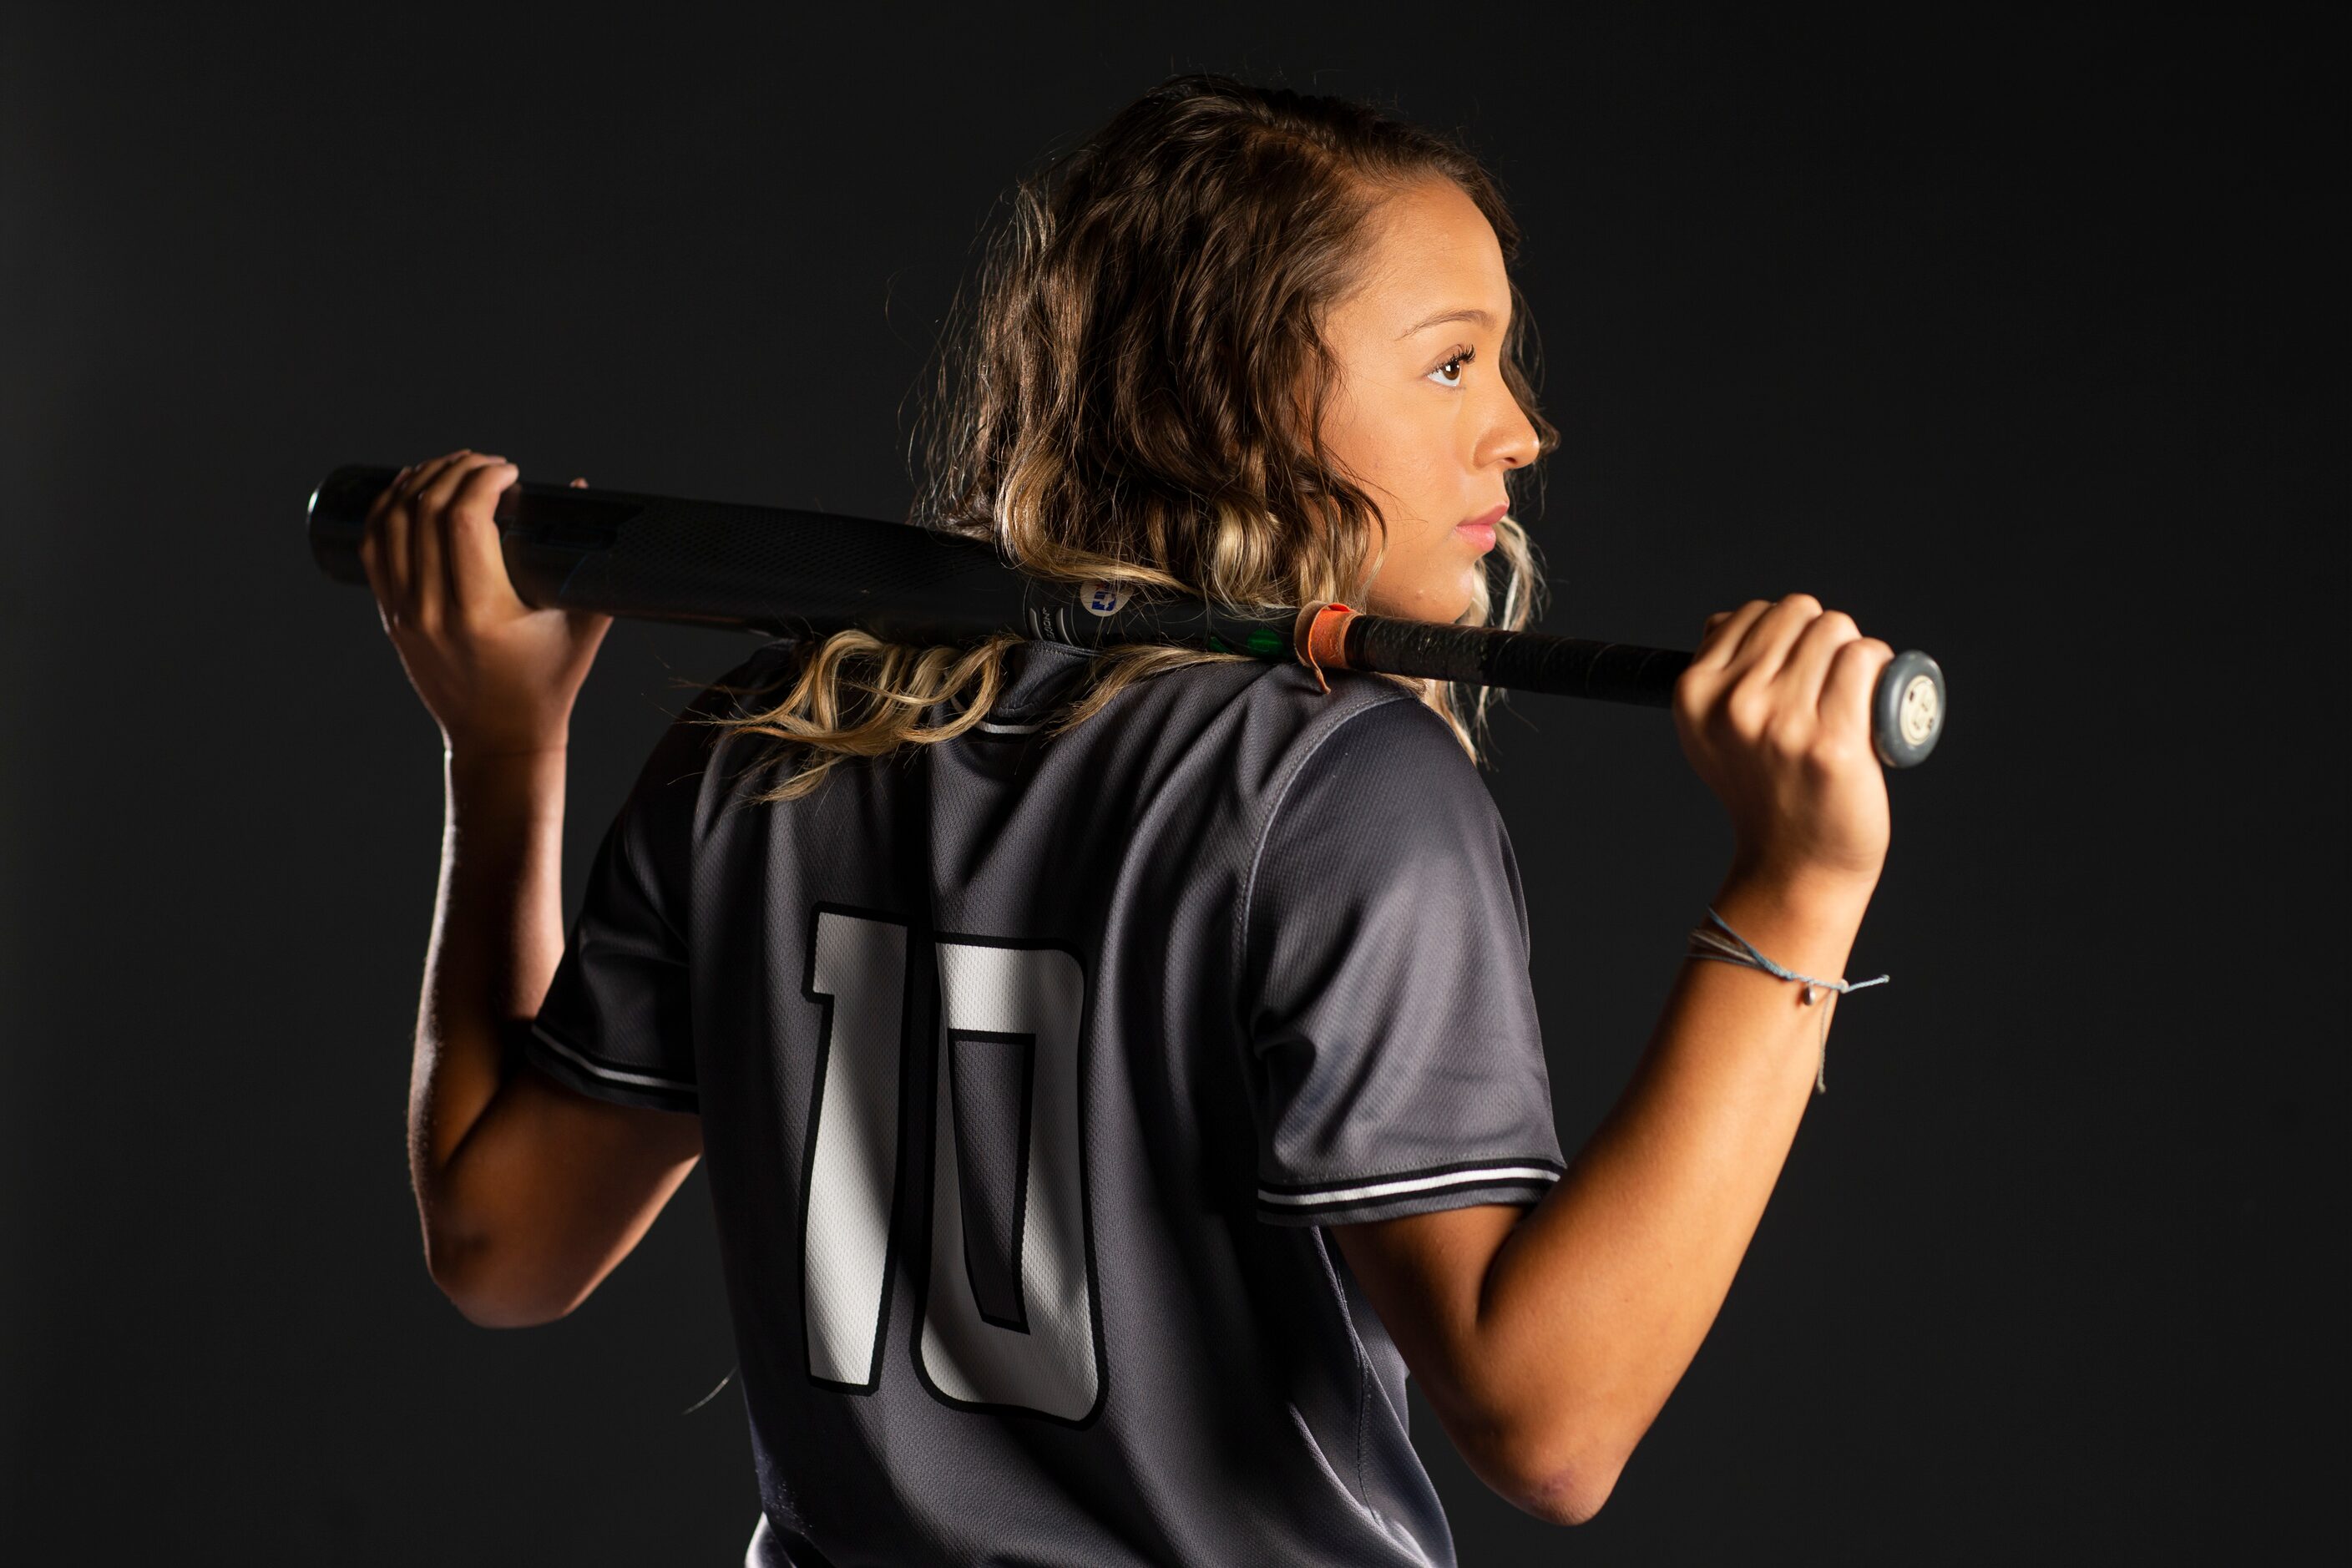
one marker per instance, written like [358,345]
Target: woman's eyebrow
[1480,317]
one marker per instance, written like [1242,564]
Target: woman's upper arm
[1425,1275]
[549,1190]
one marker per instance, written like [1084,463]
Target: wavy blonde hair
[1135,396]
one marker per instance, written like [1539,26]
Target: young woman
[1115,1072]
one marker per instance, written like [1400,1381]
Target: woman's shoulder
[762,673]
[1289,697]
[1268,722]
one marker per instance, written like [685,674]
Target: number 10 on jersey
[1009,1305]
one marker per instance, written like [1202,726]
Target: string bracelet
[1728,946]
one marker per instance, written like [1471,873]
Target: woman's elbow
[1569,1497]
[1570,1489]
[494,1312]
[491,1298]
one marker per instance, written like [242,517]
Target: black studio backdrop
[2005,333]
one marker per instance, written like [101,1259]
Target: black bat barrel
[783,573]
[753,568]
[778,572]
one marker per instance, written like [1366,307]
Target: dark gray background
[2004,334]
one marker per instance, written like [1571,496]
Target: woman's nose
[1512,439]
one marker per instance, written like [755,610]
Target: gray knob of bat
[1907,711]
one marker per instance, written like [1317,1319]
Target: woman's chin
[1426,602]
[1426,608]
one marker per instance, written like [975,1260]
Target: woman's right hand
[496,675]
[1774,713]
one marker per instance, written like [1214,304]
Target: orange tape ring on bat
[1321,638]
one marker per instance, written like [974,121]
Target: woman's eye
[1449,375]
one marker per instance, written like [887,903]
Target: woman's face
[1421,417]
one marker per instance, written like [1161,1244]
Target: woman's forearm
[1599,1297]
[497,937]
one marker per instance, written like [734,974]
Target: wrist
[1805,922]
[465,748]
[482,770]
[1809,884]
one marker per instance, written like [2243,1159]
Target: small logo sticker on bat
[1104,598]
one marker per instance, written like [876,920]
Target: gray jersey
[1028,1067]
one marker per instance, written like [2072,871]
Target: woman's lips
[1480,529]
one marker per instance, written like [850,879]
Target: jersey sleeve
[1396,1061]
[617,1019]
